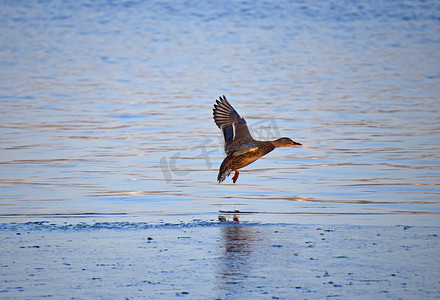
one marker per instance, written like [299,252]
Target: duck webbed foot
[234,179]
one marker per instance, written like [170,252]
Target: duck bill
[296,143]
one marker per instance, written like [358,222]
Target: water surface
[106,106]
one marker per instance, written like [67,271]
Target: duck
[240,147]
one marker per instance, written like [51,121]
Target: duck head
[284,142]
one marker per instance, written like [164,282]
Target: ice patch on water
[48,226]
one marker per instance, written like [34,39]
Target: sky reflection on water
[106,107]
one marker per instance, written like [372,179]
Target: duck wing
[239,149]
[238,140]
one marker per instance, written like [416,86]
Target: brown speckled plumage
[240,147]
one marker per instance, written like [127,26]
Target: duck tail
[222,174]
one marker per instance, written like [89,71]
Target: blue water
[106,106]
